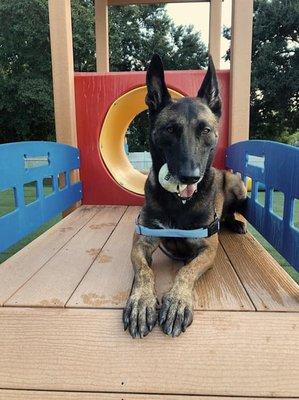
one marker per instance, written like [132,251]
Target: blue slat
[14,174]
[281,172]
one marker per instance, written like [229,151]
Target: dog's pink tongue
[189,190]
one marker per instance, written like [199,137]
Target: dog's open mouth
[188,192]
[172,184]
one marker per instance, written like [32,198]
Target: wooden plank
[240,70]
[45,395]
[222,353]
[63,70]
[215,31]
[102,35]
[221,289]
[52,285]
[267,283]
[109,280]
[218,289]
[20,267]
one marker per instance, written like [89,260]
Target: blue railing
[43,170]
[273,167]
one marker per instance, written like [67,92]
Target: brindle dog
[183,134]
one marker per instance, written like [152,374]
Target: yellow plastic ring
[118,118]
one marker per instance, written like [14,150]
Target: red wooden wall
[95,92]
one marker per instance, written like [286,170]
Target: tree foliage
[136,32]
[26,106]
[275,77]
[148,30]
[26,98]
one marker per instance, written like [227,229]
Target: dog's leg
[140,313]
[234,224]
[176,313]
[235,201]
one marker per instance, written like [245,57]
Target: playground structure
[61,297]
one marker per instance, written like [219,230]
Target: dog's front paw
[176,313]
[238,226]
[140,313]
[235,225]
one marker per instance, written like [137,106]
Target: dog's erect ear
[209,91]
[157,94]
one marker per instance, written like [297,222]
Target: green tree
[26,95]
[136,32]
[26,106]
[83,25]
[274,77]
[26,98]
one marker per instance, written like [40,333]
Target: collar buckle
[214,227]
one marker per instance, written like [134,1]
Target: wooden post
[215,31]
[63,75]
[102,35]
[242,15]
[63,70]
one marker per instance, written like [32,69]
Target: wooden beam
[215,31]
[102,35]
[222,353]
[242,14]
[63,70]
[46,395]
[125,2]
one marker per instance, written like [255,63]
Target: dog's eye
[170,129]
[206,130]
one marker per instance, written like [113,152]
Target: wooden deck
[61,334]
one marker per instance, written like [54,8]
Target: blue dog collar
[205,232]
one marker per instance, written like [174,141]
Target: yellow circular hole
[118,118]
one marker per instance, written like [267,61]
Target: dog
[183,135]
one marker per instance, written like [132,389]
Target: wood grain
[215,31]
[218,289]
[108,282]
[38,395]
[60,24]
[240,70]
[53,284]
[20,267]
[102,35]
[222,353]
[267,283]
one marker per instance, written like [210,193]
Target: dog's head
[183,132]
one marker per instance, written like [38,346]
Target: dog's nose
[189,179]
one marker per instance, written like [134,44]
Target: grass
[274,253]
[278,204]
[7,204]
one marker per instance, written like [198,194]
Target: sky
[197,14]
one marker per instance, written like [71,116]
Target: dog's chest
[189,217]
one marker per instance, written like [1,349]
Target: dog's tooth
[184,201]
